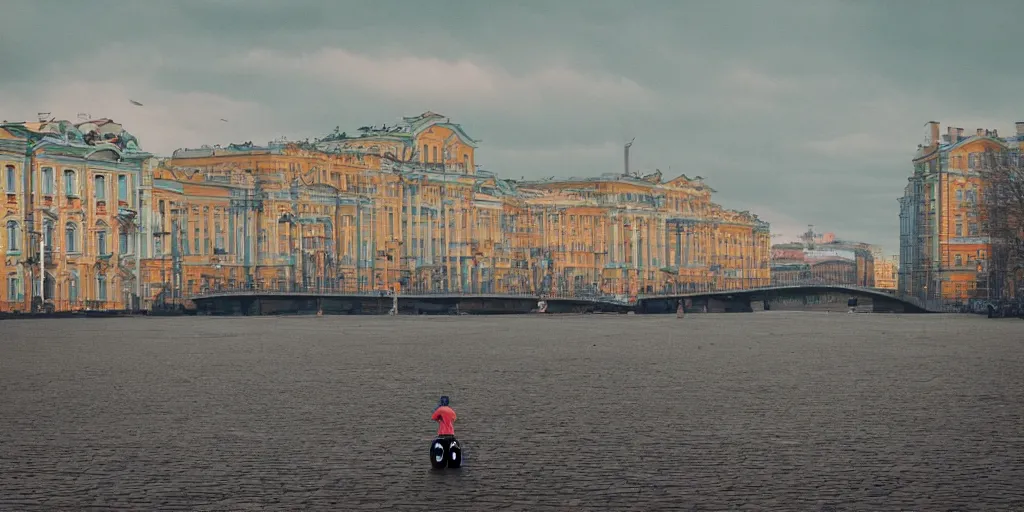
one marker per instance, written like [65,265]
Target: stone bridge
[271,302]
[797,297]
[811,297]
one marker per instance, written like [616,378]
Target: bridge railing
[744,285]
[353,291]
[588,292]
[722,285]
[61,306]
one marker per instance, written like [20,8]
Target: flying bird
[222,119]
[137,104]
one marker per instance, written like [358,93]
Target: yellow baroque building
[945,247]
[402,208]
[69,194]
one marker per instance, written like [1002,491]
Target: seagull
[222,119]
[137,104]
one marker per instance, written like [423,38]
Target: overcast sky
[804,112]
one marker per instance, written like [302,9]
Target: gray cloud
[804,111]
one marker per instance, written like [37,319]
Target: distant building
[821,258]
[886,272]
[403,207]
[944,244]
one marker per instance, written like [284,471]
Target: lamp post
[163,263]
[289,219]
[138,247]
[177,240]
[216,280]
[389,251]
[252,202]
[42,266]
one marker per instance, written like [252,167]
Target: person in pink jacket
[445,418]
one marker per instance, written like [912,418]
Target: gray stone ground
[766,411]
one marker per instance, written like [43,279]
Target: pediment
[105,155]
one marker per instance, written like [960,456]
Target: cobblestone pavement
[766,411]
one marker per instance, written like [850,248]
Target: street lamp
[289,218]
[163,259]
[42,265]
[389,248]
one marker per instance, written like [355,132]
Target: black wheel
[438,455]
[454,454]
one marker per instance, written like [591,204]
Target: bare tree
[1003,201]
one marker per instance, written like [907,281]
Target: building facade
[821,258]
[70,202]
[886,272]
[403,208]
[944,243]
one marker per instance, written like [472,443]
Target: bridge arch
[825,297]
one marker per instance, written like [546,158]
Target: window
[101,288]
[13,236]
[959,229]
[972,229]
[70,183]
[122,188]
[218,247]
[13,287]
[73,287]
[958,261]
[48,181]
[435,154]
[101,243]
[48,234]
[11,179]
[100,187]
[70,238]
[102,238]
[959,194]
[425,153]
[122,243]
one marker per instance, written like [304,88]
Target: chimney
[959,134]
[980,132]
[945,139]
[933,133]
[951,135]
[1020,127]
[995,133]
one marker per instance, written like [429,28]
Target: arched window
[71,238]
[73,287]
[13,236]
[101,238]
[49,287]
[70,183]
